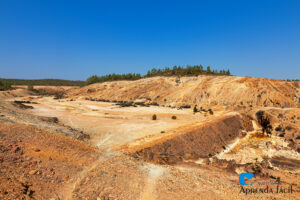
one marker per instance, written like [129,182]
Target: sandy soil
[110,125]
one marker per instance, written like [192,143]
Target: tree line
[112,77]
[47,82]
[291,80]
[189,70]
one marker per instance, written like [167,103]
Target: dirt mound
[201,90]
[202,141]
[4,95]
[36,164]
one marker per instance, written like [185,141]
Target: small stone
[32,172]
[29,158]
[17,149]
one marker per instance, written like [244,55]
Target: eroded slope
[201,90]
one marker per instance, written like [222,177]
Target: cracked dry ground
[38,160]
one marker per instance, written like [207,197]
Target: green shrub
[30,87]
[59,95]
[4,85]
[174,117]
[195,109]
[154,117]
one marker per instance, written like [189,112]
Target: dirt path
[155,172]
[69,189]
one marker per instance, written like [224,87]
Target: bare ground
[73,148]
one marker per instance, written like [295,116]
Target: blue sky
[76,39]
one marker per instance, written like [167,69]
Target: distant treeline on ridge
[50,82]
[175,71]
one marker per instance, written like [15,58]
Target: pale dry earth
[202,90]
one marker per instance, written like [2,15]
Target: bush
[4,85]
[281,134]
[30,87]
[278,128]
[288,128]
[174,117]
[154,117]
[59,95]
[264,121]
[195,109]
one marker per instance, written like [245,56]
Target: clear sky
[76,39]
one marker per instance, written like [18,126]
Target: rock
[21,105]
[17,149]
[48,119]
[32,172]
[83,136]
[35,172]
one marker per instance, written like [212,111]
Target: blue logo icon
[245,175]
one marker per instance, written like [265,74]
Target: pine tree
[208,69]
[201,68]
[227,72]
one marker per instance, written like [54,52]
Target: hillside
[201,90]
